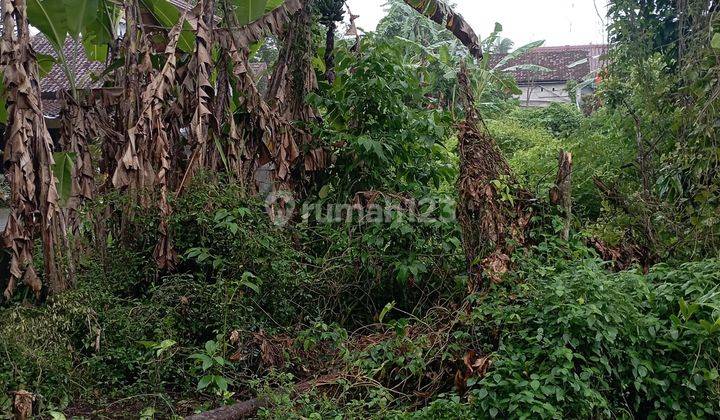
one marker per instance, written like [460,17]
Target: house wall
[543,94]
[4,214]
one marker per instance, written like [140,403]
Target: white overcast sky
[558,22]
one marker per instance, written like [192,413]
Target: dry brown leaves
[269,120]
[270,24]
[492,223]
[150,135]
[28,154]
[624,255]
[23,404]
[78,129]
[474,365]
[272,350]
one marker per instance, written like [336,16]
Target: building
[572,63]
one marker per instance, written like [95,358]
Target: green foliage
[381,122]
[566,338]
[51,18]
[561,120]
[662,89]
[129,330]
[381,308]
[62,169]
[211,366]
[168,16]
[532,152]
[587,342]
[249,10]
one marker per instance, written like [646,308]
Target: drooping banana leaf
[63,169]
[168,15]
[277,14]
[79,14]
[50,17]
[534,68]
[441,13]
[517,53]
[249,10]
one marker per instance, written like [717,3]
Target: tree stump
[561,193]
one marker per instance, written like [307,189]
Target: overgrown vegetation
[308,257]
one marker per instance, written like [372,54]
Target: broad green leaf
[204,358]
[45,63]
[50,17]
[211,347]
[221,383]
[168,15]
[95,52]
[389,307]
[204,382]
[528,67]
[518,53]
[716,41]
[101,30]
[249,284]
[79,14]
[63,172]
[273,4]
[3,103]
[164,346]
[249,10]
[56,415]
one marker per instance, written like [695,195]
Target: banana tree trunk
[28,160]
[493,210]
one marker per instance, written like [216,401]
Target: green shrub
[531,151]
[562,120]
[598,148]
[588,343]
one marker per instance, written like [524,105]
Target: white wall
[543,94]
[4,214]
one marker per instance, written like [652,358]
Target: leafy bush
[532,152]
[561,120]
[598,146]
[383,124]
[237,272]
[589,343]
[566,339]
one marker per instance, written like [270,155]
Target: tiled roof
[85,71]
[83,68]
[558,60]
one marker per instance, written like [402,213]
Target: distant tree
[502,45]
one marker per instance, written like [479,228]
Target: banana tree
[442,14]
[91,22]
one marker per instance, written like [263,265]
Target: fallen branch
[250,407]
[237,411]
